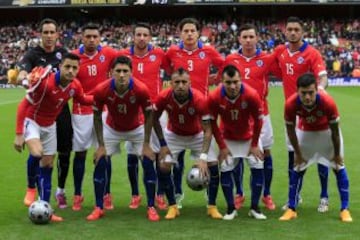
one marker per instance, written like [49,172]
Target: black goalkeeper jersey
[37,56]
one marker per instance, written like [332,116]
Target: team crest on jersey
[72,92]
[58,55]
[244,105]
[201,55]
[152,58]
[259,63]
[102,58]
[319,113]
[191,110]
[300,60]
[132,99]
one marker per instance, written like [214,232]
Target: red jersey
[293,65]
[93,70]
[318,118]
[196,62]
[254,71]
[125,112]
[241,118]
[184,119]
[48,98]
[147,68]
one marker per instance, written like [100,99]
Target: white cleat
[178,198]
[230,216]
[323,205]
[257,215]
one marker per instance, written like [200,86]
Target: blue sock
[343,187]
[78,172]
[108,174]
[178,171]
[45,183]
[291,156]
[100,179]
[132,167]
[323,176]
[256,182]
[149,180]
[166,183]
[238,173]
[296,180]
[32,170]
[160,186]
[268,173]
[213,185]
[227,186]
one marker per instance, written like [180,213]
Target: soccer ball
[40,212]
[196,181]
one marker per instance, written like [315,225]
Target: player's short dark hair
[121,60]
[293,19]
[48,21]
[305,80]
[70,56]
[90,26]
[248,26]
[189,21]
[142,25]
[180,71]
[230,70]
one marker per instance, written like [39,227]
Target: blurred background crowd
[338,39]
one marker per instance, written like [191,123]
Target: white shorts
[267,135]
[47,135]
[84,134]
[178,143]
[238,149]
[112,139]
[317,147]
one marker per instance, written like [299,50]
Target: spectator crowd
[337,40]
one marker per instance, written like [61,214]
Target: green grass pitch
[123,223]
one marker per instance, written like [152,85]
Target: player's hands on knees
[223,155]
[148,152]
[19,143]
[164,151]
[203,167]
[99,153]
[257,153]
[339,162]
[299,161]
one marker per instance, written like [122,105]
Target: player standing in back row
[295,58]
[95,62]
[196,58]
[147,60]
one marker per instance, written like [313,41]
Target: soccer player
[188,128]
[147,60]
[254,67]
[43,103]
[46,53]
[95,63]
[197,58]
[128,101]
[240,109]
[315,137]
[296,58]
